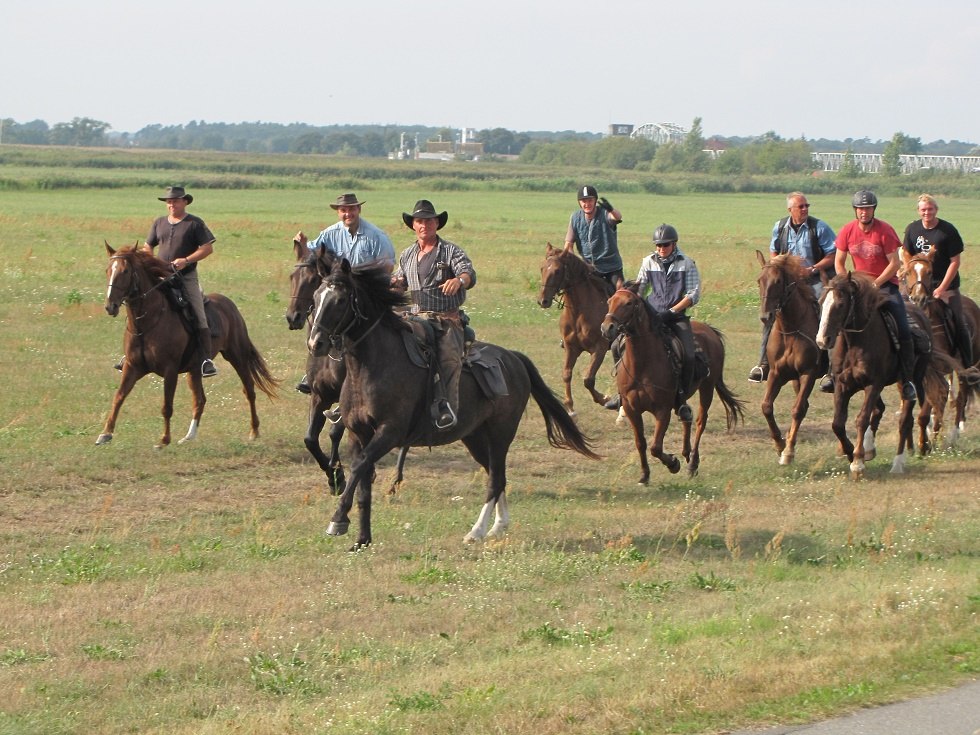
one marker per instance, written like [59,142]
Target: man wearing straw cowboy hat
[437,274]
[353,238]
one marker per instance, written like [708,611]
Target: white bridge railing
[871,162]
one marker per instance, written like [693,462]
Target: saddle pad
[487,372]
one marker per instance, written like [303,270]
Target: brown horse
[864,358]
[648,382]
[793,354]
[386,397]
[157,340]
[582,294]
[917,274]
[327,371]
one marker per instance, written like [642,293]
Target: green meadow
[192,589]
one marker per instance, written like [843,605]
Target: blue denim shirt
[369,244]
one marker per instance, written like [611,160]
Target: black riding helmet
[665,234]
[864,198]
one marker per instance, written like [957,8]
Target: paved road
[954,712]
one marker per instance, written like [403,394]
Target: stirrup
[758,374]
[827,384]
[332,415]
[685,414]
[208,369]
[909,387]
[614,403]
[446,418]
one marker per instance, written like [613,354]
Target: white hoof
[898,464]
[103,439]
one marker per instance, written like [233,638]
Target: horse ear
[300,250]
[549,250]
[109,248]
[761,258]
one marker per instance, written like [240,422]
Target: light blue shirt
[369,245]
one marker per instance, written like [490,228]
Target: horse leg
[639,441]
[594,364]
[331,465]
[694,459]
[773,386]
[198,399]
[662,420]
[167,411]
[399,471]
[904,436]
[361,477]
[248,388]
[801,406]
[862,425]
[572,351]
[129,378]
[839,423]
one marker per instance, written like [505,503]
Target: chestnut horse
[785,293]
[386,397]
[582,294]
[864,358]
[647,380]
[157,340]
[917,273]
[326,371]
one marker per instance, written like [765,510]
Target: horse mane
[792,266]
[869,298]
[578,266]
[372,288]
[157,269]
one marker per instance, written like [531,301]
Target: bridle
[787,291]
[135,296]
[627,325]
[352,315]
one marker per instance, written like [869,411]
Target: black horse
[326,372]
[386,397]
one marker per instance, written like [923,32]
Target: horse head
[121,278]
[847,304]
[553,275]
[917,272]
[780,279]
[626,314]
[303,282]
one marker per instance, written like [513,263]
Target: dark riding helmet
[864,198]
[664,235]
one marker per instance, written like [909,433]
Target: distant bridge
[870,163]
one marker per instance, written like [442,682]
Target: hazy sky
[825,69]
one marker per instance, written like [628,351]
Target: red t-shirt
[869,250]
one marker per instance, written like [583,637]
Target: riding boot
[963,341]
[906,368]
[450,366]
[204,343]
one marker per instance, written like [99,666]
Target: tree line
[764,154]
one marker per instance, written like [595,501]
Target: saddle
[176,294]
[419,339]
[921,338]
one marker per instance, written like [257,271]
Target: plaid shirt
[426,294]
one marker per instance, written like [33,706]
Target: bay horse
[156,340]
[786,294]
[326,371]
[864,359]
[917,273]
[648,382]
[582,294]
[386,397]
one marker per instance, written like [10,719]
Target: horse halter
[134,285]
[786,293]
[626,325]
[919,287]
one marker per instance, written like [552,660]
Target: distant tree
[891,164]
[80,131]
[35,132]
[307,143]
[669,157]
[849,168]
[695,159]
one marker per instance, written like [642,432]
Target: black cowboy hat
[176,192]
[346,200]
[425,210]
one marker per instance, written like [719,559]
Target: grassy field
[192,590]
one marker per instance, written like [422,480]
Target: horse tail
[563,432]
[940,365]
[265,381]
[734,406]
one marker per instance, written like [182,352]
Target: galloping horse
[793,354]
[386,397]
[864,359]
[917,272]
[564,274]
[157,341]
[326,371]
[647,381]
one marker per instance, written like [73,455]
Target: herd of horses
[361,359]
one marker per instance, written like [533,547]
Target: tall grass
[192,590]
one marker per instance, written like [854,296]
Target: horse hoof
[337,529]
[103,439]
[785,459]
[674,466]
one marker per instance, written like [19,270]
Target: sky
[828,69]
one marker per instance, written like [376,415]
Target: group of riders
[437,273]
